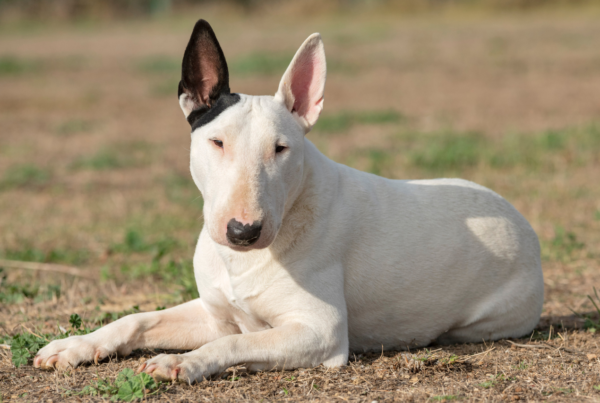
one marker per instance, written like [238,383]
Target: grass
[15,292]
[12,65]
[345,120]
[74,126]
[24,346]
[592,322]
[24,176]
[421,109]
[260,63]
[126,387]
[492,382]
[448,153]
[30,253]
[117,156]
[180,189]
[18,292]
[162,267]
[102,160]
[379,162]
[522,366]
[564,247]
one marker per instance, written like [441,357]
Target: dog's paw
[69,353]
[175,367]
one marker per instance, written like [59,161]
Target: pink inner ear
[306,83]
[209,71]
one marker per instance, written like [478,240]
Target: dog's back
[441,259]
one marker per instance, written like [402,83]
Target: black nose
[243,235]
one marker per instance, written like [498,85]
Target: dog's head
[247,154]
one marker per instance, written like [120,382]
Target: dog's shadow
[578,321]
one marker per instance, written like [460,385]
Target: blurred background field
[94,150]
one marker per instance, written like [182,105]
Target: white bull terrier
[302,260]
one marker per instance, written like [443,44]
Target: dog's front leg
[186,327]
[293,345]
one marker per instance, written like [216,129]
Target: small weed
[134,242]
[448,360]
[126,387]
[180,273]
[12,66]
[379,161]
[14,293]
[17,293]
[23,176]
[492,382]
[74,126]
[521,366]
[563,247]
[591,324]
[597,387]
[24,346]
[552,140]
[285,391]
[537,335]
[597,215]
[445,397]
[103,160]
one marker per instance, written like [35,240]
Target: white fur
[346,260]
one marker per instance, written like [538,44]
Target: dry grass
[93,174]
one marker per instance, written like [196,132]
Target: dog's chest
[233,300]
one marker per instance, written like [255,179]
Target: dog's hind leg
[186,327]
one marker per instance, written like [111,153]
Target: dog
[302,260]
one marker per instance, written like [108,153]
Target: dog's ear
[204,74]
[302,86]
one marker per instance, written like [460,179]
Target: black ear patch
[205,77]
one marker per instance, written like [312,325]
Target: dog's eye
[218,143]
[279,149]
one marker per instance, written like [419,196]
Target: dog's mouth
[243,242]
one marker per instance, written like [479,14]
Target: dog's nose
[243,235]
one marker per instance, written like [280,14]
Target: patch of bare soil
[563,367]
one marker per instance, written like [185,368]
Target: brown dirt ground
[491,74]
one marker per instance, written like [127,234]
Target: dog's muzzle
[243,235]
